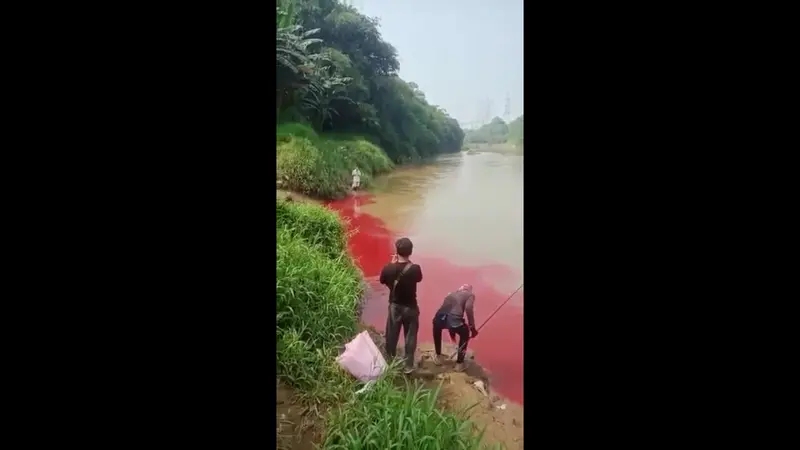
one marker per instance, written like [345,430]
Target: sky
[463,54]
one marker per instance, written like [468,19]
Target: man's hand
[474,331]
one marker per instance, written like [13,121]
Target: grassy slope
[320,166]
[318,291]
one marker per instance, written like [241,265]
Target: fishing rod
[490,316]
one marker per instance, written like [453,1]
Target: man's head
[404,247]
[466,287]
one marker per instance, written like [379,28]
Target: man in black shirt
[401,277]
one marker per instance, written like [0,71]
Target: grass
[320,166]
[386,417]
[294,129]
[317,295]
[316,225]
[317,299]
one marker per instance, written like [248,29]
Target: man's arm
[418,274]
[385,275]
[471,312]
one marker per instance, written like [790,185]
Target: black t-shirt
[407,286]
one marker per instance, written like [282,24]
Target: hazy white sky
[462,53]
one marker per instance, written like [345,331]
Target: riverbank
[320,166]
[316,400]
[505,148]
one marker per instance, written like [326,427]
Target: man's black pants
[463,338]
[407,318]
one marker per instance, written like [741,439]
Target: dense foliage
[516,131]
[320,166]
[336,74]
[498,132]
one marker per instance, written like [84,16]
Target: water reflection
[356,205]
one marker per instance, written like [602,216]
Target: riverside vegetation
[341,105]
[498,132]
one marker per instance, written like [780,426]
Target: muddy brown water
[464,215]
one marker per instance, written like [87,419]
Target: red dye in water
[498,347]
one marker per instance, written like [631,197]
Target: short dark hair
[404,247]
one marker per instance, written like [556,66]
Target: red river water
[498,347]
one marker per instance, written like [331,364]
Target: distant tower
[507,111]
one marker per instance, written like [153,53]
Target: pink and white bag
[362,358]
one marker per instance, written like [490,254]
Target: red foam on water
[498,348]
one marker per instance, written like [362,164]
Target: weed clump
[294,129]
[321,166]
[387,417]
[318,226]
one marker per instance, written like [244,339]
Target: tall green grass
[386,417]
[318,226]
[318,290]
[317,298]
[321,166]
[294,129]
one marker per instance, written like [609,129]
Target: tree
[494,132]
[337,73]
[516,130]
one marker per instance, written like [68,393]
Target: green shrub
[317,225]
[314,373]
[286,130]
[317,298]
[305,169]
[345,155]
[368,157]
[322,167]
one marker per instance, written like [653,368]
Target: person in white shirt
[356,178]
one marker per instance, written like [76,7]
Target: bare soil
[295,426]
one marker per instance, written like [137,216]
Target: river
[464,215]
